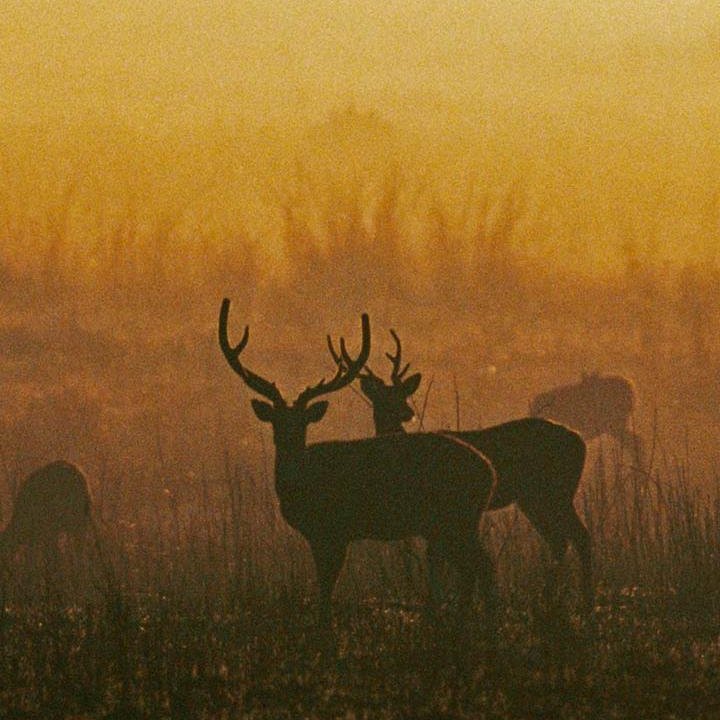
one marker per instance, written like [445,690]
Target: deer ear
[411,384]
[263,410]
[316,411]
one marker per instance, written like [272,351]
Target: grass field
[201,605]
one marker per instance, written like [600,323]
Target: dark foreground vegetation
[204,609]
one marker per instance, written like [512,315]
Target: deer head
[290,420]
[389,400]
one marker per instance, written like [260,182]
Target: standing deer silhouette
[538,463]
[597,405]
[385,488]
[51,502]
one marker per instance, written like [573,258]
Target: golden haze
[606,117]
[525,190]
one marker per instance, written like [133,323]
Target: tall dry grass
[200,601]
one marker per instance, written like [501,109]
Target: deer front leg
[329,557]
[434,597]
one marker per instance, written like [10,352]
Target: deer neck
[386,426]
[292,487]
[289,464]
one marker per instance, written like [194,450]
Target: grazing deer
[376,488]
[597,405]
[538,463]
[52,501]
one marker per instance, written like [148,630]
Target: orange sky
[580,94]
[152,56]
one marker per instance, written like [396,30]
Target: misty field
[195,600]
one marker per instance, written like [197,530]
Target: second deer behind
[538,463]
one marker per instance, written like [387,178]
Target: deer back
[52,500]
[596,404]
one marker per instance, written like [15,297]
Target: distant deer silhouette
[597,405]
[53,501]
[538,463]
[377,488]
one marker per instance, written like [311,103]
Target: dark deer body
[538,463]
[383,489]
[597,405]
[376,488]
[51,502]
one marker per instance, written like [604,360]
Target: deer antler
[232,355]
[343,360]
[346,373]
[397,374]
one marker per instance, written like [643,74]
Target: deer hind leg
[547,521]
[435,557]
[42,572]
[485,577]
[633,442]
[78,547]
[627,440]
[329,558]
[580,538]
[474,566]
[559,525]
[48,554]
